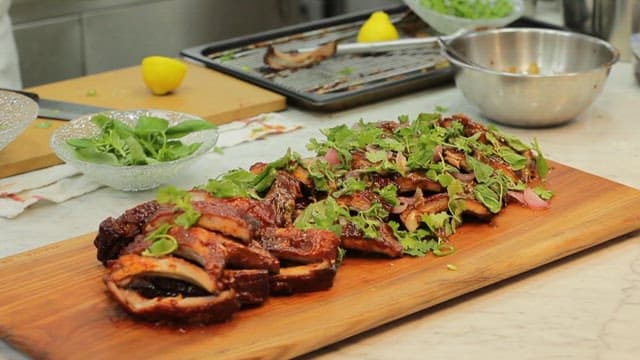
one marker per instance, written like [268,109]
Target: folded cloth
[63,182]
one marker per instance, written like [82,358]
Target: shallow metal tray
[337,83]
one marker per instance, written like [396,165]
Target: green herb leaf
[188,127]
[541,162]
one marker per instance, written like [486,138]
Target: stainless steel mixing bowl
[531,77]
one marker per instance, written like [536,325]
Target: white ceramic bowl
[134,177]
[447,24]
[16,113]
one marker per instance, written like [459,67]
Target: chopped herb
[161,242]
[182,201]
[44,124]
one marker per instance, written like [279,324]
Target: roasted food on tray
[383,189]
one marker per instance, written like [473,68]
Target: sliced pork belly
[303,278]
[300,246]
[251,285]
[115,233]
[193,310]
[386,244]
[226,219]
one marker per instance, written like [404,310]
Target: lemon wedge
[377,28]
[162,74]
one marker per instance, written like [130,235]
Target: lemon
[162,74]
[377,28]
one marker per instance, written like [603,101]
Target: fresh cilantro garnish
[181,199]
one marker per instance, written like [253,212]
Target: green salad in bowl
[449,16]
[135,149]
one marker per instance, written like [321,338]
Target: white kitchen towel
[63,182]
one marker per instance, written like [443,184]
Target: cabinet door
[49,50]
[122,36]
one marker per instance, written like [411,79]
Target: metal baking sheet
[337,83]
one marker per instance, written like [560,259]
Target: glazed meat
[385,244]
[303,278]
[224,218]
[300,246]
[115,233]
[385,189]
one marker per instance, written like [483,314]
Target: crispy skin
[115,233]
[386,244]
[226,219]
[303,278]
[301,246]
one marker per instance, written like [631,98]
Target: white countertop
[584,307]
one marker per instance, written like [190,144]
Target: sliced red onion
[332,157]
[437,153]
[533,201]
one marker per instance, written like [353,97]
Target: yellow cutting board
[54,305]
[207,93]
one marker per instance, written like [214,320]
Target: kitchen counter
[586,306]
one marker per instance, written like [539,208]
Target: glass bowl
[16,113]
[133,177]
[447,24]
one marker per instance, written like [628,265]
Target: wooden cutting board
[212,95]
[53,304]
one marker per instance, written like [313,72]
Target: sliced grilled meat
[180,309]
[387,244]
[260,210]
[214,251]
[301,246]
[251,285]
[126,267]
[250,256]
[411,217]
[115,233]
[195,245]
[456,158]
[282,197]
[416,180]
[362,200]
[224,218]
[303,278]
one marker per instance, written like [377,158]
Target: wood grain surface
[212,95]
[53,303]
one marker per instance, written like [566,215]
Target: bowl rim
[518,10]
[27,101]
[56,133]
[615,53]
